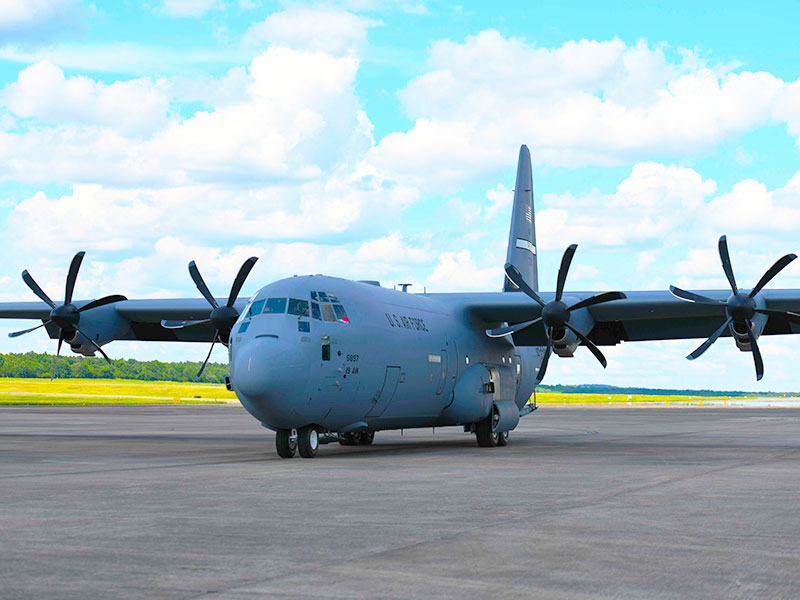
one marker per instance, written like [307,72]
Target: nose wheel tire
[285,443]
[366,438]
[307,442]
[502,439]
[483,432]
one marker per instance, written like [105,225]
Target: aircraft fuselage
[392,361]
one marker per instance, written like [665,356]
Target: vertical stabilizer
[522,236]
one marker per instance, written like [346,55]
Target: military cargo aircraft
[320,359]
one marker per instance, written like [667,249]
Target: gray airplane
[318,359]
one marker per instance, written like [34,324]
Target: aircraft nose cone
[270,378]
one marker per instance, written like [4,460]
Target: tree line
[36,365]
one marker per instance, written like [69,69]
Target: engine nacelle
[103,324]
[740,336]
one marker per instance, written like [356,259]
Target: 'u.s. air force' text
[406,322]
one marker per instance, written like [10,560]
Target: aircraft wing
[641,316]
[130,319]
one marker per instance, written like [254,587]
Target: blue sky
[370,139]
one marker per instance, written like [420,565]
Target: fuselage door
[381,401]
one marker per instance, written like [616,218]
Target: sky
[378,140]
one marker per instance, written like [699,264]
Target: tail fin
[522,237]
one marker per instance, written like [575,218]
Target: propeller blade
[545,360]
[589,344]
[205,362]
[779,266]
[181,324]
[756,352]
[24,331]
[502,331]
[563,270]
[58,353]
[95,344]
[201,285]
[102,302]
[793,317]
[244,271]
[726,263]
[72,276]
[692,297]
[598,299]
[707,344]
[516,278]
[26,277]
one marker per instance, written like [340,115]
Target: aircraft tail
[522,236]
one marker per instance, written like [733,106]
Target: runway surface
[190,502]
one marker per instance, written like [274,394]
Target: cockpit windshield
[275,306]
[298,307]
[255,308]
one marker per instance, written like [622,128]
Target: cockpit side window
[275,306]
[298,307]
[340,313]
[315,314]
[327,313]
[255,308]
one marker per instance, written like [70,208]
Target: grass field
[109,391]
[121,391]
[560,398]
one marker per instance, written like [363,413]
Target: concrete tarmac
[192,502]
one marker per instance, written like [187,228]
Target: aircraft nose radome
[265,375]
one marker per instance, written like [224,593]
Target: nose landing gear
[307,442]
[289,441]
[286,442]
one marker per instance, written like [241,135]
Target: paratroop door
[384,397]
[443,376]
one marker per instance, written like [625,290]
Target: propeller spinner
[555,314]
[66,316]
[740,308]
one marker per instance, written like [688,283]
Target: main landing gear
[305,439]
[357,438]
[487,437]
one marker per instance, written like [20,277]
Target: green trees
[35,365]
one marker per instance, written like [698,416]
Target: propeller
[66,316]
[740,308]
[555,314]
[222,317]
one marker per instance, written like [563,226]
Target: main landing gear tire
[350,439]
[483,432]
[366,438]
[307,442]
[285,443]
[502,438]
